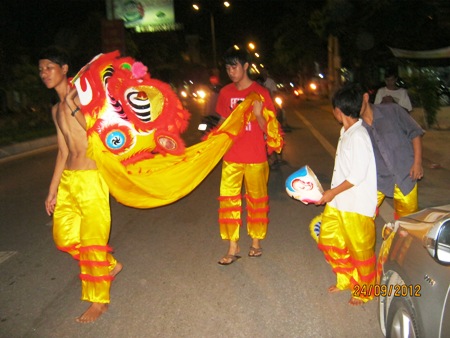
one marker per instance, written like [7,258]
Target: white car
[414,275]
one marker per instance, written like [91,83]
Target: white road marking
[322,140]
[4,255]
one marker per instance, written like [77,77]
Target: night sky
[245,20]
[34,23]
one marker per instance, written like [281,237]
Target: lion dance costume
[81,227]
[133,125]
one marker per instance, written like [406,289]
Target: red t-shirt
[250,147]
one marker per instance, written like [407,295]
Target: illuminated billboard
[146,15]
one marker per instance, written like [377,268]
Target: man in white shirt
[269,83]
[392,93]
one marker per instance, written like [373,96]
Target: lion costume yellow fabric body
[134,124]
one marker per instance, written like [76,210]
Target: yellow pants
[403,205]
[81,227]
[255,177]
[347,240]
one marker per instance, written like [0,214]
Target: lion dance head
[134,116]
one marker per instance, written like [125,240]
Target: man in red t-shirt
[245,161]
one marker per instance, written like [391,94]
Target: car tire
[402,319]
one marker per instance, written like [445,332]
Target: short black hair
[390,72]
[233,56]
[55,54]
[349,99]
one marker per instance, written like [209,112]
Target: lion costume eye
[117,138]
[140,104]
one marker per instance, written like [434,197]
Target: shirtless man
[78,197]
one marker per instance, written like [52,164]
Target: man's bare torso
[74,137]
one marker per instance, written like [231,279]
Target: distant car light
[278,101]
[201,93]
[298,92]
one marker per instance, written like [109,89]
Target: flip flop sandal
[255,252]
[229,259]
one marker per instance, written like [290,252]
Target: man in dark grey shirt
[397,143]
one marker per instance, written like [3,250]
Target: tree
[365,29]
[298,47]
[423,89]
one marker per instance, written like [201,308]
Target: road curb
[23,148]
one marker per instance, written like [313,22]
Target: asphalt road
[171,284]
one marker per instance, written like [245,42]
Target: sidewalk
[18,149]
[436,142]
[433,188]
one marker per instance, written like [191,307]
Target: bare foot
[114,272]
[333,289]
[97,309]
[355,302]
[92,313]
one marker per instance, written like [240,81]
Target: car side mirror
[437,242]
[443,243]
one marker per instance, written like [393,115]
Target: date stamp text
[383,290]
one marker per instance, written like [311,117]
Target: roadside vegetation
[26,105]
[23,126]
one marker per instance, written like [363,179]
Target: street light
[213,32]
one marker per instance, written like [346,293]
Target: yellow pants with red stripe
[255,177]
[81,227]
[403,205]
[347,240]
